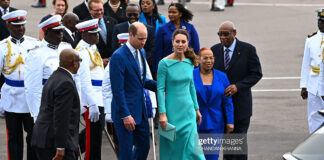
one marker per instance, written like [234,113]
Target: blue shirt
[231,48]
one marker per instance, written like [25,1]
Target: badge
[120,7]
[184,27]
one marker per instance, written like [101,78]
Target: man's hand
[229,128]
[59,155]
[94,113]
[129,123]
[230,90]
[198,117]
[163,121]
[105,61]
[304,93]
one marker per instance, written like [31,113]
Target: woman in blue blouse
[150,15]
[215,108]
[179,19]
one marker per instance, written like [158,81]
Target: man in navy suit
[127,67]
[132,14]
[82,10]
[4,9]
[241,64]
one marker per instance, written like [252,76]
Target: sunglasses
[224,33]
[132,14]
[77,60]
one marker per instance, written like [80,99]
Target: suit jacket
[244,71]
[67,38]
[57,125]
[163,41]
[120,15]
[105,49]
[4,33]
[127,86]
[150,42]
[213,103]
[82,11]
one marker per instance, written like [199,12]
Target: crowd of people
[103,62]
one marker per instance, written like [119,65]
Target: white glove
[93,113]
[35,118]
[108,118]
[153,111]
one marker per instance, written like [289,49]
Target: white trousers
[220,4]
[314,104]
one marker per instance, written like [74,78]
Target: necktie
[4,11]
[103,32]
[227,59]
[137,61]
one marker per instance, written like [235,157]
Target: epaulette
[312,34]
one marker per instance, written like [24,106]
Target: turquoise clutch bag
[169,133]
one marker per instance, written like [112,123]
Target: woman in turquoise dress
[178,101]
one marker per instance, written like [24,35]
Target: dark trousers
[140,137]
[240,128]
[93,136]
[49,154]
[16,123]
[230,2]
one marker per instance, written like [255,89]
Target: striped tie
[227,59]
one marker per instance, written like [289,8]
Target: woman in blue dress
[179,19]
[216,109]
[150,14]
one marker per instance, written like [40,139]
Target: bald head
[70,20]
[227,33]
[68,57]
[137,35]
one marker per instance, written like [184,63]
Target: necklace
[114,5]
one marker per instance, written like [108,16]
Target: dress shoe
[228,5]
[39,5]
[216,9]
[160,2]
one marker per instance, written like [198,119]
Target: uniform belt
[316,70]
[96,82]
[14,83]
[44,81]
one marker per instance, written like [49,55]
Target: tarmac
[278,29]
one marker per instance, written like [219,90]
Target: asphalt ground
[278,29]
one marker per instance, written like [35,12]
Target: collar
[2,10]
[232,46]
[131,48]
[17,41]
[68,31]
[87,5]
[67,71]
[49,45]
[87,45]
[320,33]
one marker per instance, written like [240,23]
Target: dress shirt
[231,48]
[69,32]
[2,10]
[133,51]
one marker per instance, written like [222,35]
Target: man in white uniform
[309,81]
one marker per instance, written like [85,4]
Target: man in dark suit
[132,14]
[82,10]
[4,7]
[70,32]
[106,24]
[129,113]
[240,62]
[55,133]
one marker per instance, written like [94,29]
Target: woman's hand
[198,117]
[163,121]
[229,128]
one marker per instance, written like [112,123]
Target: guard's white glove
[153,111]
[93,113]
[108,118]
[35,118]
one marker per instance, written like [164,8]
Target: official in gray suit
[56,132]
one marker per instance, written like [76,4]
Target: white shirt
[2,10]
[13,97]
[139,57]
[69,32]
[90,95]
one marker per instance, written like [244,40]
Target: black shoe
[160,2]
[216,9]
[39,5]
[228,5]
[188,1]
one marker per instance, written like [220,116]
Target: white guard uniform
[91,75]
[310,78]
[107,94]
[40,65]
[12,92]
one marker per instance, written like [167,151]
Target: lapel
[132,61]
[108,27]
[235,56]
[214,86]
[220,59]
[67,36]
[199,85]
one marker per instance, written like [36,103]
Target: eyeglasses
[224,33]
[77,60]
[132,14]
[97,10]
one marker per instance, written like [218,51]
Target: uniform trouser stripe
[7,142]
[87,147]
